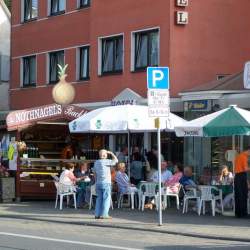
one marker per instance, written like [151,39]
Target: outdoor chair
[207,194]
[131,198]
[167,192]
[190,194]
[93,194]
[64,191]
[148,189]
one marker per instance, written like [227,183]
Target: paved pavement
[25,234]
[218,227]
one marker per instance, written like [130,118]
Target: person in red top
[240,183]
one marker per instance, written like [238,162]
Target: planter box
[7,189]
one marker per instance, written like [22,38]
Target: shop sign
[181,17]
[123,102]
[181,3]
[247,75]
[27,117]
[126,97]
[197,105]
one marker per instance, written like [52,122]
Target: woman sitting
[122,180]
[173,183]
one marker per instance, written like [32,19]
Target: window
[30,9]
[84,63]
[84,3]
[112,55]
[29,71]
[57,7]
[55,58]
[146,49]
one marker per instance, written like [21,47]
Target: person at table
[122,157]
[122,180]
[102,173]
[240,183]
[136,168]
[186,180]
[165,174]
[83,194]
[226,177]
[173,182]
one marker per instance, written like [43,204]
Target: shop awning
[22,119]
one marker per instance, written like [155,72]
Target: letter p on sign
[158,77]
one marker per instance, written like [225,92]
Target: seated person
[136,168]
[122,180]
[173,182]
[165,174]
[226,177]
[83,192]
[186,180]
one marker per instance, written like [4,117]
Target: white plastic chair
[130,194]
[147,189]
[64,191]
[207,195]
[191,194]
[93,193]
[167,192]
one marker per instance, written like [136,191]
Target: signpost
[158,106]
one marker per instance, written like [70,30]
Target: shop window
[30,10]
[112,55]
[55,58]
[29,71]
[57,7]
[146,49]
[84,3]
[84,63]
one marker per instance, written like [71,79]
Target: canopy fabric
[120,119]
[226,122]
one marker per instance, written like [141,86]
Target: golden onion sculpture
[63,92]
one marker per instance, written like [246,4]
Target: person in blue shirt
[102,173]
[186,180]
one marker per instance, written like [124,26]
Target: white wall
[4,57]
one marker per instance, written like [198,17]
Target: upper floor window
[57,7]
[146,49]
[84,63]
[55,58]
[112,55]
[84,3]
[29,71]
[30,9]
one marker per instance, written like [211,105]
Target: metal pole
[128,154]
[159,170]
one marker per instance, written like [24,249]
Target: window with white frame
[112,54]
[55,59]
[84,63]
[57,7]
[84,3]
[146,49]
[30,9]
[29,71]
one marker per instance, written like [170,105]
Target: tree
[8,3]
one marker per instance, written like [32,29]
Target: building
[5,28]
[109,46]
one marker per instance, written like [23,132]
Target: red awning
[21,119]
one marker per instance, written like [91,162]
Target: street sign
[158,103]
[158,77]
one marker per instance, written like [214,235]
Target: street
[19,234]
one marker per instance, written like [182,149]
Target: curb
[193,235]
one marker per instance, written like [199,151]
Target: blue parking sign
[158,77]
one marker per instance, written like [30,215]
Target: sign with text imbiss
[158,91]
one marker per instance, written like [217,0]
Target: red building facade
[215,41]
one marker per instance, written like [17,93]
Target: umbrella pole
[233,163]
[128,155]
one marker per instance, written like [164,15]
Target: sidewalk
[218,227]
